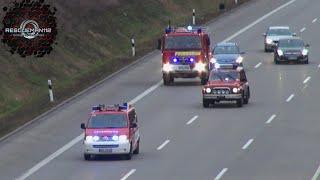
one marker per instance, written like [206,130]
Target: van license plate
[105,150]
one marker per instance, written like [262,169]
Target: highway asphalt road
[274,137]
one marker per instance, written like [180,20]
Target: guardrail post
[194,17]
[133,46]
[50,90]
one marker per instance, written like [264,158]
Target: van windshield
[182,42]
[108,121]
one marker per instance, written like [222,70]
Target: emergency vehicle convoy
[185,54]
[226,85]
[111,130]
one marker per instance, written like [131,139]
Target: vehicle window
[291,43]
[108,121]
[279,32]
[226,50]
[224,76]
[182,42]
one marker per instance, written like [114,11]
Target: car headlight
[269,41]
[123,138]
[239,60]
[235,90]
[200,67]
[213,60]
[167,67]
[304,52]
[280,52]
[208,90]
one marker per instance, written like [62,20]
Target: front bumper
[222,97]
[189,72]
[293,58]
[105,148]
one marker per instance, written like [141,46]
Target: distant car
[111,130]
[291,49]
[226,55]
[226,85]
[274,34]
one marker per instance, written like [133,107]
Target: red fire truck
[185,53]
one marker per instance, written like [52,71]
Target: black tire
[265,49]
[205,103]
[240,102]
[129,155]
[136,151]
[276,61]
[246,99]
[306,62]
[87,157]
[204,81]
[166,79]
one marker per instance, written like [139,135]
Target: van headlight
[123,139]
[200,67]
[92,138]
[167,67]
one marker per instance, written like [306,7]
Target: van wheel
[246,100]
[136,151]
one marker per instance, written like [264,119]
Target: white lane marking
[271,119]
[222,172]
[51,157]
[290,98]
[303,29]
[163,144]
[146,92]
[306,80]
[128,174]
[314,20]
[316,174]
[247,144]
[192,119]
[258,20]
[259,64]
[155,86]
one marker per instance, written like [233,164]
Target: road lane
[168,109]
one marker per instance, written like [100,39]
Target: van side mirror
[264,34]
[83,126]
[242,52]
[307,45]
[294,34]
[134,125]
[159,44]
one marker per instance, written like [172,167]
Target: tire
[136,151]
[276,61]
[205,103]
[129,155]
[87,157]
[166,79]
[246,100]
[240,102]
[307,61]
[204,81]
[265,49]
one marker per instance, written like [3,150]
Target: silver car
[273,34]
